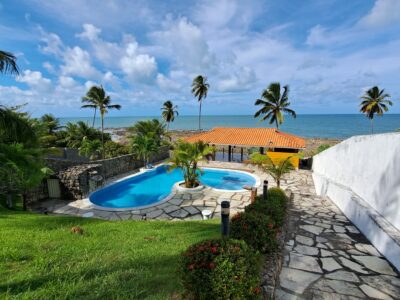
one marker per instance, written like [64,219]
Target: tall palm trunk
[277,124]
[94,117]
[102,134]
[200,116]
[372,126]
[168,126]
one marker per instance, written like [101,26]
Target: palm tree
[143,146]
[186,157]
[274,104]
[200,88]
[16,127]
[75,133]
[169,111]
[149,127]
[8,63]
[276,168]
[98,99]
[375,102]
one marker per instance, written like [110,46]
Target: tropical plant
[274,104]
[277,168]
[200,88]
[25,167]
[90,149]
[8,63]
[48,126]
[374,101]
[169,111]
[226,269]
[97,99]
[144,146]
[16,127]
[149,127]
[114,149]
[75,133]
[186,156]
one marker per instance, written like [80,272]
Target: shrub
[221,269]
[322,147]
[275,206]
[256,228]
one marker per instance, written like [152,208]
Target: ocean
[324,126]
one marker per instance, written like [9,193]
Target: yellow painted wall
[283,155]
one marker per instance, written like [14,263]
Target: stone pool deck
[326,257]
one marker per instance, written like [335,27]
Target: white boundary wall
[361,176]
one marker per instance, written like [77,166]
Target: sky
[329,52]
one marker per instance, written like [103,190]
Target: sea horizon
[306,125]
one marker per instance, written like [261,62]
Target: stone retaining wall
[74,176]
[109,167]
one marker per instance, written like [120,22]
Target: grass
[40,257]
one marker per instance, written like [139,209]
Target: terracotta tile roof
[249,137]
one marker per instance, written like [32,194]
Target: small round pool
[148,188]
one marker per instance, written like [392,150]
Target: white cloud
[35,80]
[184,43]
[167,84]
[242,80]
[77,62]
[67,82]
[137,66]
[384,13]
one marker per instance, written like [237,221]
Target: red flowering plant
[220,269]
[257,229]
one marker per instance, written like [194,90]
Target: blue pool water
[153,186]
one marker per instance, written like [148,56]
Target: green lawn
[40,258]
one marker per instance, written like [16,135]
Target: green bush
[275,206]
[256,228]
[221,269]
[322,147]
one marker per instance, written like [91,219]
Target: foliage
[322,147]
[90,149]
[275,206]
[169,111]
[200,88]
[21,159]
[75,133]
[186,156]
[47,128]
[143,146]
[41,259]
[220,269]
[274,104]
[96,98]
[16,127]
[113,149]
[277,168]
[374,101]
[256,228]
[8,63]
[149,128]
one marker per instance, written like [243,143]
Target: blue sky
[145,52]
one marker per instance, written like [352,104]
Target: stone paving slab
[326,257]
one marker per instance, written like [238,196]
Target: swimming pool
[148,188]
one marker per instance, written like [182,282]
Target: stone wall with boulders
[74,181]
[74,175]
